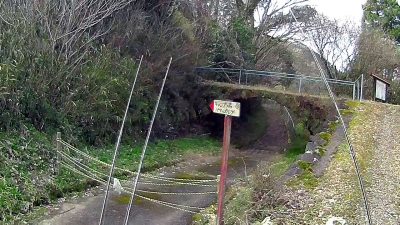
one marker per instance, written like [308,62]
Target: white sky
[340,9]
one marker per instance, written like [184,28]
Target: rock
[309,157]
[311,146]
[333,219]
[267,221]
[317,140]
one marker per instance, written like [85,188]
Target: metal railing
[303,84]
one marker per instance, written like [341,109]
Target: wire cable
[117,145]
[135,182]
[166,179]
[184,208]
[352,152]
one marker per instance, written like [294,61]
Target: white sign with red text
[226,108]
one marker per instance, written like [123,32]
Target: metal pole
[300,85]
[362,87]
[58,149]
[354,91]
[135,182]
[117,146]
[224,168]
[246,76]
[240,76]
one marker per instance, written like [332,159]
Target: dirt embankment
[375,135]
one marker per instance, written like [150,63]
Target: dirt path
[86,211]
[384,190]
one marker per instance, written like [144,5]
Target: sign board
[380,92]
[226,108]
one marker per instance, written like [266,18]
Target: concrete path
[86,211]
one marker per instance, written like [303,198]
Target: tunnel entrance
[260,126]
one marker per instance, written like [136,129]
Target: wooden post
[224,168]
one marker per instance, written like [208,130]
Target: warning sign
[226,108]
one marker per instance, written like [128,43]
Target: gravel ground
[384,188]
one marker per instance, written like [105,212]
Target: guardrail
[246,77]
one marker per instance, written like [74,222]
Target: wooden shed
[381,89]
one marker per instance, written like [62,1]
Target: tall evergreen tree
[384,14]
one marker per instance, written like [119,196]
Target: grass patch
[306,178]
[240,201]
[326,136]
[321,151]
[124,199]
[190,176]
[346,112]
[332,126]
[159,154]
[305,166]
[353,104]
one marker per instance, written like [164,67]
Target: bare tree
[276,27]
[376,53]
[70,26]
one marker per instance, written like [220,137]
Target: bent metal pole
[117,145]
[135,182]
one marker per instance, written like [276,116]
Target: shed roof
[381,79]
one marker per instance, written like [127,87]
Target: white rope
[168,204]
[81,173]
[171,182]
[90,170]
[178,193]
[82,166]
[177,184]
[167,179]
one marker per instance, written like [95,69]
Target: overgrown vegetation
[250,199]
[29,178]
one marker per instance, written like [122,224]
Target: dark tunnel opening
[247,128]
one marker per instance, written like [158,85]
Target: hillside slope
[375,132]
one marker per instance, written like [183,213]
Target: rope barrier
[82,174]
[177,184]
[173,183]
[178,193]
[87,168]
[80,165]
[167,179]
[168,204]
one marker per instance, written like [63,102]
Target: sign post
[228,109]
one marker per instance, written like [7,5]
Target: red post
[224,168]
